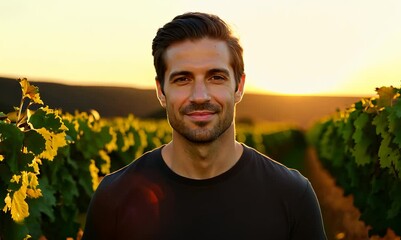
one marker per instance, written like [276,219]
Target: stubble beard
[203,132]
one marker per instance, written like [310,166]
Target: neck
[202,161]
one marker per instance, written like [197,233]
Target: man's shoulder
[274,171]
[135,169]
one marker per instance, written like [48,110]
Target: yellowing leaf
[27,237]
[97,127]
[144,138]
[15,178]
[1,158]
[95,114]
[35,164]
[13,116]
[94,174]
[34,193]
[112,145]
[16,204]
[386,96]
[7,200]
[129,141]
[105,167]
[30,91]
[53,142]
[25,181]
[19,208]
[157,141]
[24,149]
[33,182]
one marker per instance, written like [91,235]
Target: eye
[218,78]
[181,80]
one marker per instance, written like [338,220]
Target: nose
[200,92]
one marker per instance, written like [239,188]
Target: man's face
[199,89]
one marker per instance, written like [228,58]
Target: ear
[240,91]
[160,94]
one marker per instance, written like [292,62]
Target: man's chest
[205,213]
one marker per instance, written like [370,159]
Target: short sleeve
[100,219]
[308,217]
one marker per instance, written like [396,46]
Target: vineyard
[51,162]
[361,147]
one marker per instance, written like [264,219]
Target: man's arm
[99,219]
[309,222]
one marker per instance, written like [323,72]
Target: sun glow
[306,47]
[290,88]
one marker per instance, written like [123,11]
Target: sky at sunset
[308,47]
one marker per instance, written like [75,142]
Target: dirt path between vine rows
[341,218]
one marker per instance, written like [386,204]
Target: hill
[300,110]
[108,101]
[121,101]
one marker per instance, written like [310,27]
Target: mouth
[200,116]
[200,113]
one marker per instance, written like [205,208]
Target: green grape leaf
[381,123]
[69,190]
[360,152]
[397,108]
[71,162]
[13,230]
[106,134]
[33,223]
[394,124]
[24,159]
[85,181]
[87,141]
[120,140]
[361,121]
[346,133]
[362,140]
[49,200]
[352,174]
[34,142]
[43,119]
[347,130]
[11,141]
[395,195]
[312,135]
[72,133]
[67,214]
[327,146]
[38,206]
[358,105]
[387,154]
[377,184]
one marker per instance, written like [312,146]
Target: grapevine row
[361,147]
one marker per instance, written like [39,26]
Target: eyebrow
[218,70]
[208,73]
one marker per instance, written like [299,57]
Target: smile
[200,116]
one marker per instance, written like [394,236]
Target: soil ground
[341,218]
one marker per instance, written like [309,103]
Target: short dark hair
[194,26]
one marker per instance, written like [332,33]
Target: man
[203,184]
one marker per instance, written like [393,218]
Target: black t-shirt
[257,198]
